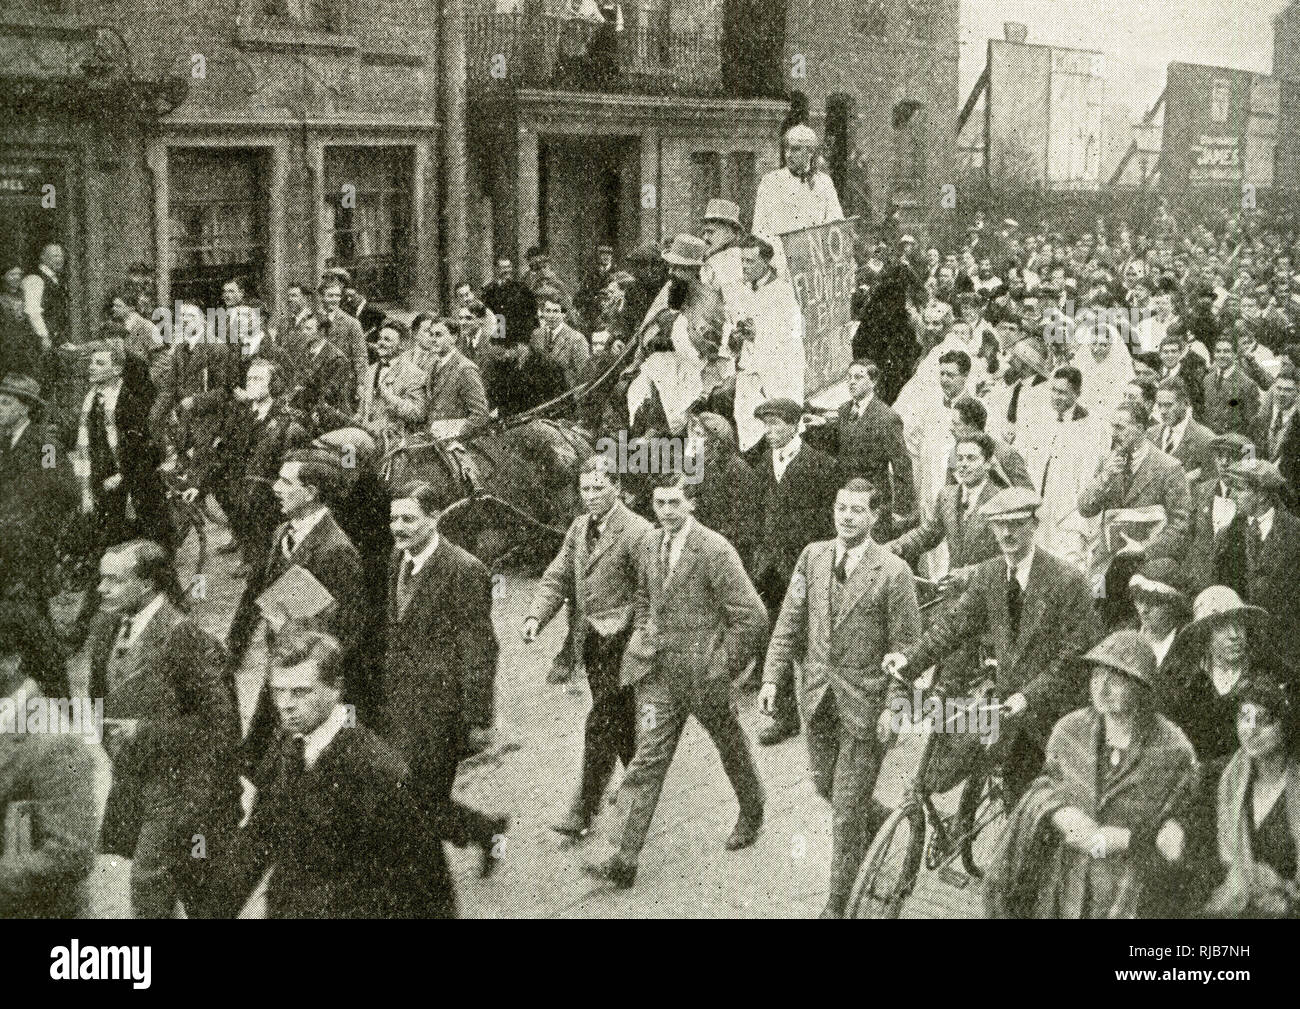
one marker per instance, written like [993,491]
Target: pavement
[531,770]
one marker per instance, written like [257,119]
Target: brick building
[267,138]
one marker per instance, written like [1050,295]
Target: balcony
[505,52]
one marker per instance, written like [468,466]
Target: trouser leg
[610,731]
[1023,762]
[771,589]
[855,816]
[153,882]
[716,711]
[660,719]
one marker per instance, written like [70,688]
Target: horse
[513,485]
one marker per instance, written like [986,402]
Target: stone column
[526,179]
[157,162]
[649,177]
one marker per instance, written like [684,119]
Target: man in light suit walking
[595,572]
[697,623]
[850,603]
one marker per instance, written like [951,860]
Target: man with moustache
[797,196]
[440,669]
[595,572]
[851,604]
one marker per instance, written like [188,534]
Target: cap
[686,250]
[787,409]
[1231,440]
[1161,577]
[800,134]
[907,239]
[1010,504]
[1257,473]
[23,387]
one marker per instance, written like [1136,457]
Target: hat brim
[724,220]
[676,260]
[30,399]
[1193,634]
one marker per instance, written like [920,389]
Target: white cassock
[1061,461]
[1033,406]
[918,392]
[771,365]
[784,204]
[1104,380]
[927,433]
[677,375]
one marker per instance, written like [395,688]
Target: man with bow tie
[171,729]
[1037,614]
[595,573]
[851,603]
[309,481]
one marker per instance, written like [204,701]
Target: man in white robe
[797,196]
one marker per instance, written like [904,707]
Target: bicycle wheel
[889,871]
[981,815]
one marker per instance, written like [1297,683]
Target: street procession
[593,459]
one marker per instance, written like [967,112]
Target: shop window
[217,211]
[742,181]
[368,201]
[706,182]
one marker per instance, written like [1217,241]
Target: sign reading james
[823,272]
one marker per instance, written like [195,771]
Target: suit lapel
[613,527]
[689,555]
[862,579]
[1144,475]
[1033,605]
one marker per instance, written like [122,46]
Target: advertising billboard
[1220,127]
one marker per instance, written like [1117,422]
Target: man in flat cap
[1037,613]
[796,196]
[799,484]
[1212,507]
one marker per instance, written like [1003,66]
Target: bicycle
[893,860]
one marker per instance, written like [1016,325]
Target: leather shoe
[745,832]
[612,870]
[488,859]
[776,732]
[572,826]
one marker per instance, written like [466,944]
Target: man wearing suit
[697,623]
[322,377]
[595,572]
[559,341]
[853,604]
[1274,424]
[52,770]
[1179,435]
[512,302]
[455,390]
[798,499]
[1135,474]
[171,729]
[957,520]
[1213,511]
[197,377]
[38,493]
[113,438]
[344,331]
[359,307]
[871,446]
[335,820]
[1231,398]
[440,673]
[1260,550]
[399,398]
[970,417]
[1038,614]
[310,539]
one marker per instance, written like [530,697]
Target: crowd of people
[1081,443]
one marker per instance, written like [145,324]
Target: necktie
[1254,544]
[1013,603]
[1273,434]
[593,533]
[408,569]
[97,426]
[123,637]
[666,556]
[289,543]
[841,568]
[1015,403]
[295,758]
[1169,441]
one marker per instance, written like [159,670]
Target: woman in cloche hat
[1095,828]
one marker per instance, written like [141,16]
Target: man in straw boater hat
[1037,612]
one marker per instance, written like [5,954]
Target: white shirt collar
[260,410]
[141,619]
[314,742]
[300,527]
[852,556]
[49,274]
[1224,679]
[1022,569]
[419,560]
[860,405]
[1138,456]
[1161,648]
[969,495]
[788,451]
[1264,523]
[1180,428]
[18,432]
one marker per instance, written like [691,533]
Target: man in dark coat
[312,540]
[511,300]
[441,667]
[171,729]
[1037,610]
[886,334]
[334,819]
[521,378]
[798,498]
[322,376]
[871,446]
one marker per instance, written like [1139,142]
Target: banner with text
[823,272]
